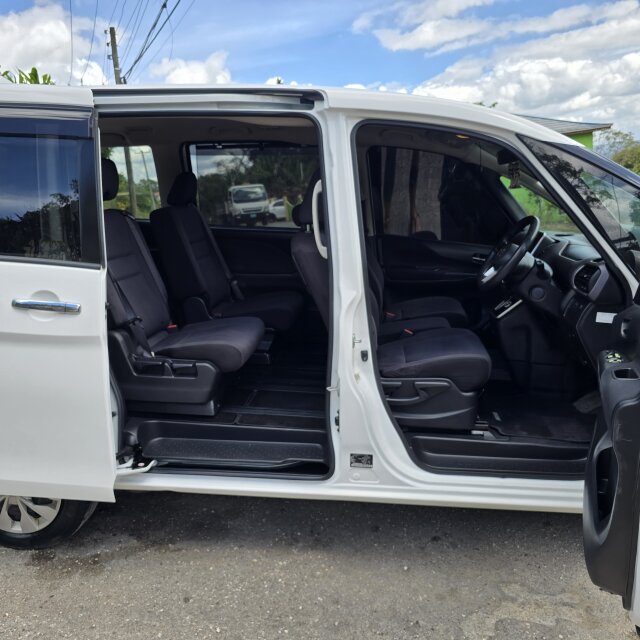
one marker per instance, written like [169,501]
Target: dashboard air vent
[585,277]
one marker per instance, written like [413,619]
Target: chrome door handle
[46,305]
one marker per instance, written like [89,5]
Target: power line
[170,36]
[151,37]
[113,13]
[136,27]
[93,35]
[71,29]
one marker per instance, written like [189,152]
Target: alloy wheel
[27,515]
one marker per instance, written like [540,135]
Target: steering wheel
[507,254]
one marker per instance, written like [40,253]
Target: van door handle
[46,305]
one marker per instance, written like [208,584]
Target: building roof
[568,127]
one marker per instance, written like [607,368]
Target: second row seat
[196,272]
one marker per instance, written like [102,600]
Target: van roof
[373,103]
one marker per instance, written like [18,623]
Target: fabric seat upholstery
[195,268]
[229,345]
[455,354]
[441,352]
[226,343]
[427,307]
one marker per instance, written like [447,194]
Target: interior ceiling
[144,130]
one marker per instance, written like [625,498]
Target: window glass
[613,202]
[138,183]
[40,198]
[553,220]
[435,196]
[253,185]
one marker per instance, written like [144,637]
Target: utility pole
[133,204]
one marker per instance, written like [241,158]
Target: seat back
[312,267]
[192,264]
[130,263]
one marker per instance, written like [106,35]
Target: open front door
[56,434]
[612,482]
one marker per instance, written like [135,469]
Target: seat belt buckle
[409,332]
[390,314]
[235,289]
[135,320]
[172,328]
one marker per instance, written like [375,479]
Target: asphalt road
[179,566]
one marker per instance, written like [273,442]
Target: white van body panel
[55,410]
[56,425]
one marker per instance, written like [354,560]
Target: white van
[452,320]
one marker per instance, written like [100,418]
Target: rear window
[252,185]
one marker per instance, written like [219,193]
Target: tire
[69,517]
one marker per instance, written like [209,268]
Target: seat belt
[233,283]
[123,314]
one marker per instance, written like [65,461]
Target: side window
[434,197]
[552,219]
[41,181]
[138,183]
[253,185]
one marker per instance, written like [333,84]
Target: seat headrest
[295,216]
[184,189]
[302,214]
[110,180]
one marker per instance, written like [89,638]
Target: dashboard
[572,286]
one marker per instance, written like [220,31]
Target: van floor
[272,419]
[516,414]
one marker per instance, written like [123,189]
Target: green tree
[629,157]
[612,141]
[23,77]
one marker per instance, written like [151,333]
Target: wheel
[38,523]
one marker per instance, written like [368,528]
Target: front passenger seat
[434,357]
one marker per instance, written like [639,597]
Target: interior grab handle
[46,305]
[317,190]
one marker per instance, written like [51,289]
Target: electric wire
[135,29]
[173,28]
[151,36]
[93,35]
[71,33]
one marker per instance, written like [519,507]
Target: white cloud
[584,89]
[213,70]
[40,37]
[447,26]
[579,62]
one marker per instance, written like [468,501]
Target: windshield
[249,194]
[613,202]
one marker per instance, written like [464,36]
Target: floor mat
[521,415]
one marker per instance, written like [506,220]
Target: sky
[573,60]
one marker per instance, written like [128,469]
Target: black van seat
[431,379]
[196,271]
[228,344]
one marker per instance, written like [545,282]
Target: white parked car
[277,210]
[420,337]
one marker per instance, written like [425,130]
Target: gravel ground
[184,566]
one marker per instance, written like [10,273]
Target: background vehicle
[277,210]
[248,204]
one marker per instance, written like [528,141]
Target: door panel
[55,415]
[419,266]
[610,518]
[260,259]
